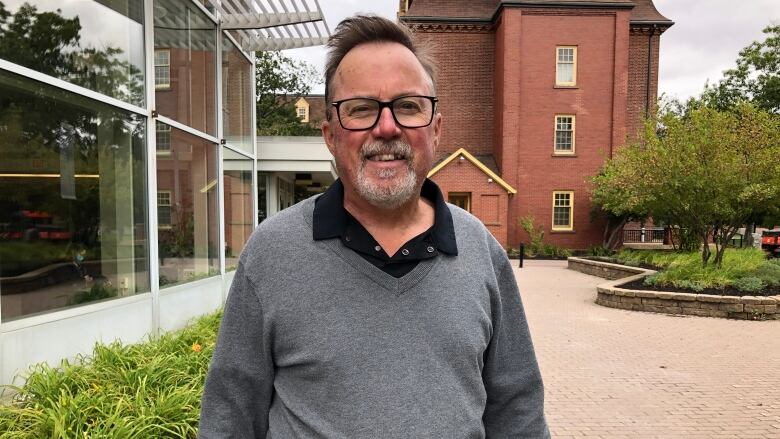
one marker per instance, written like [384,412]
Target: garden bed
[627,290]
[639,284]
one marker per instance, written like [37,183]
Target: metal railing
[655,234]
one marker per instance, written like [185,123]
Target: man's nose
[386,127]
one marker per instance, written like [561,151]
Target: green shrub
[598,250]
[683,269]
[146,390]
[536,235]
[650,280]
[749,284]
[690,285]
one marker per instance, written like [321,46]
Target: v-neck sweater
[317,342]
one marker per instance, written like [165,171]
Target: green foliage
[536,246]
[598,250]
[748,284]
[98,291]
[705,171]
[684,269]
[756,78]
[279,79]
[146,390]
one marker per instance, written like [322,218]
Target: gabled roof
[486,10]
[462,152]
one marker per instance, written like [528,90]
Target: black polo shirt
[331,220]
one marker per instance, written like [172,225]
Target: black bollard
[522,254]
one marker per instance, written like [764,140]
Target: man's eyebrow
[395,96]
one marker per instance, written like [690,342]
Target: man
[375,310]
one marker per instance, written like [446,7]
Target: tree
[280,79]
[707,171]
[756,78]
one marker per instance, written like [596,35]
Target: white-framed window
[163,136]
[563,210]
[566,66]
[564,134]
[162,69]
[164,209]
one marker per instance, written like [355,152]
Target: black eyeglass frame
[386,104]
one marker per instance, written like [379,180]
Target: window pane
[565,73]
[72,199]
[238,205]
[190,39]
[188,247]
[96,45]
[236,97]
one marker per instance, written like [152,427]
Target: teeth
[383,157]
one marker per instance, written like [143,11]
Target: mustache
[398,148]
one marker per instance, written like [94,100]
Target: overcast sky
[704,41]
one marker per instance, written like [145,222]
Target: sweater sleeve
[515,395]
[239,385]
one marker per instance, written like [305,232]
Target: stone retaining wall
[733,307]
[606,270]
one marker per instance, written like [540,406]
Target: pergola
[260,25]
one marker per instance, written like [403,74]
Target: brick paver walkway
[621,374]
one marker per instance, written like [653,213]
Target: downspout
[649,69]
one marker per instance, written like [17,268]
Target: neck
[391,228]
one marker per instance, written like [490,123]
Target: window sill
[563,232]
[563,154]
[571,87]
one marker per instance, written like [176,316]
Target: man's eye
[359,110]
[408,106]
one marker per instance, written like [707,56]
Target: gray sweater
[316,342]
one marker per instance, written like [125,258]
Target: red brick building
[535,95]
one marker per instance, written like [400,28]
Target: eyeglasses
[359,114]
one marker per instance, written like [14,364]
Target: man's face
[384,165]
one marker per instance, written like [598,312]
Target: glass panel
[94,44]
[565,73]
[189,38]
[236,97]
[238,205]
[188,241]
[72,199]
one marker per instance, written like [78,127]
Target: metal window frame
[271,38]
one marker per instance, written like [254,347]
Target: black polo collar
[331,218]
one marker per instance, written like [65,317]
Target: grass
[145,390]
[747,270]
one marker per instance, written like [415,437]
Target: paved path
[613,373]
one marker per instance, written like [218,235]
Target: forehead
[380,70]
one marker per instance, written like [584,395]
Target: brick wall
[639,44]
[539,171]
[489,201]
[465,61]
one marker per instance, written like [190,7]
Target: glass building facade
[126,157]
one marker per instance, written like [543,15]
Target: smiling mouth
[385,157]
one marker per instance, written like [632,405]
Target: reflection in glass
[98,45]
[72,199]
[236,97]
[185,42]
[238,205]
[187,208]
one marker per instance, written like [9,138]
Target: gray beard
[387,197]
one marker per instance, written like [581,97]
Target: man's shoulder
[473,237]
[280,229]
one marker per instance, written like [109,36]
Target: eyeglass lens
[409,112]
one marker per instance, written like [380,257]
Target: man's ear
[436,130]
[328,135]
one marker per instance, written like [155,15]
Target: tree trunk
[748,238]
[705,251]
[612,233]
